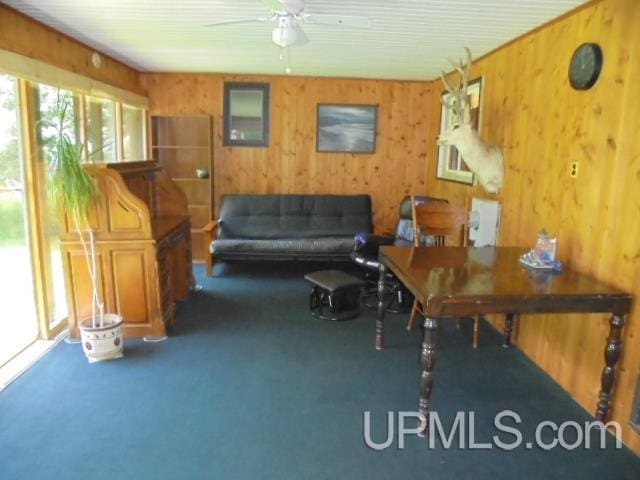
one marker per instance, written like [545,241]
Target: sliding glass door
[33,299]
[19,319]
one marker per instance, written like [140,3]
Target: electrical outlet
[573,169]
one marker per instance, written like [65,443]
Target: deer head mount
[459,105]
[484,160]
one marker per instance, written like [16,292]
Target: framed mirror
[246,114]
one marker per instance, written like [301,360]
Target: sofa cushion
[293,216]
[299,247]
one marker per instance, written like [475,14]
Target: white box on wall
[484,222]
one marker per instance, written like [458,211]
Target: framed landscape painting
[346,128]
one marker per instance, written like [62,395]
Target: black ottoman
[336,291]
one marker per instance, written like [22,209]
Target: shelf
[176,147]
[185,116]
[183,144]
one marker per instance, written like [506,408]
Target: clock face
[585,66]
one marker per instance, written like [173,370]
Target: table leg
[427,364]
[611,356]
[381,307]
[508,329]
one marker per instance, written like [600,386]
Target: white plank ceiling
[409,39]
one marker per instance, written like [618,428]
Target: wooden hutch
[143,249]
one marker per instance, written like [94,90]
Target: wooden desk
[452,282]
[143,247]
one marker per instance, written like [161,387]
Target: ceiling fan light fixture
[284,36]
[289,14]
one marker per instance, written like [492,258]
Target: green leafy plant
[71,186]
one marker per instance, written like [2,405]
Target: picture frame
[346,128]
[245,114]
[451,166]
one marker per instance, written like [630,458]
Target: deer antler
[467,69]
[460,104]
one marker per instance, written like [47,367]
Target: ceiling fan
[289,14]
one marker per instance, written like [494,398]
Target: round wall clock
[585,66]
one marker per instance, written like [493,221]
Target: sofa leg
[210,262]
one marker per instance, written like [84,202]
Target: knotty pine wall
[26,36]
[291,164]
[528,108]
[542,124]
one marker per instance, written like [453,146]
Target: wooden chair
[441,220]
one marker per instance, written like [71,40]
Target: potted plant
[75,192]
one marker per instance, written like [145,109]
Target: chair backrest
[441,220]
[404,227]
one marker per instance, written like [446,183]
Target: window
[49,100]
[101,130]
[19,324]
[30,250]
[451,165]
[133,147]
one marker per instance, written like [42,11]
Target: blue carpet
[249,386]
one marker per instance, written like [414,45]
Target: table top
[456,281]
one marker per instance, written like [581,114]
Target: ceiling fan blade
[340,20]
[294,7]
[239,20]
[272,5]
[302,37]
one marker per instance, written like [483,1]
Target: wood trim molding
[41,72]
[119,139]
[33,206]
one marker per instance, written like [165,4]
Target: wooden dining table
[455,282]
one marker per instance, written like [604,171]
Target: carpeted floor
[249,386]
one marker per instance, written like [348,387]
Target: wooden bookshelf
[183,144]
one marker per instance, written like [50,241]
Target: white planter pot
[102,343]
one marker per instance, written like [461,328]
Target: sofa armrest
[209,227]
[369,243]
[210,231]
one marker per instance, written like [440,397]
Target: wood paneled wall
[26,36]
[543,125]
[528,108]
[291,164]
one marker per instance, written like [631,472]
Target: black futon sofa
[287,227]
